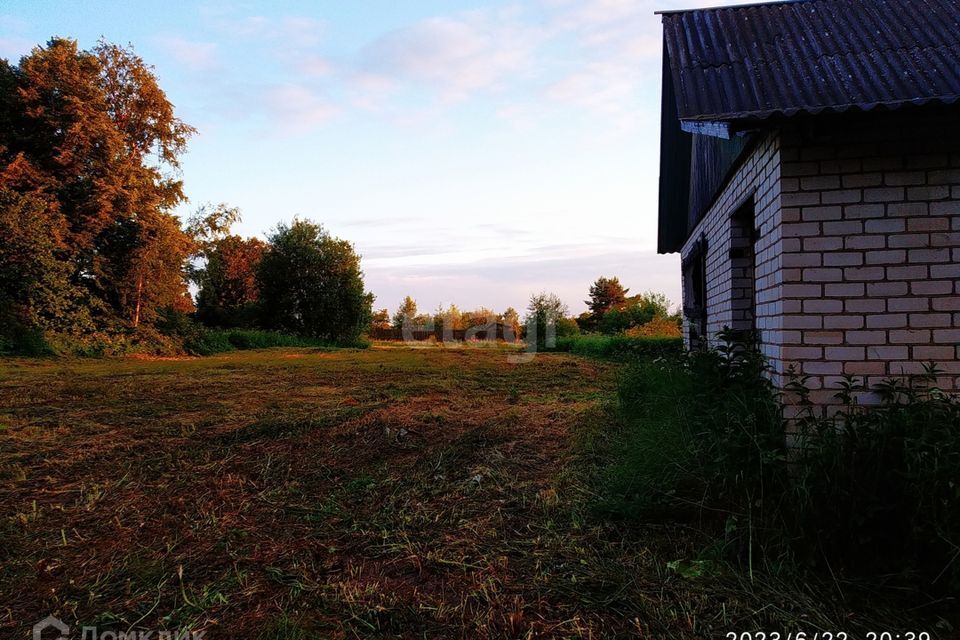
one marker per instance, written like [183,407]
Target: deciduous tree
[311,284]
[545,315]
[210,224]
[35,283]
[92,135]
[228,291]
[448,319]
[479,317]
[512,319]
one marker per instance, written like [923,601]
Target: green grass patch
[702,442]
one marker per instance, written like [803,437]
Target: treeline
[611,312]
[93,258]
[452,318]
[545,310]
[92,255]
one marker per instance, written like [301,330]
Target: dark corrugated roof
[808,56]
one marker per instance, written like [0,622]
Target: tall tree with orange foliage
[91,135]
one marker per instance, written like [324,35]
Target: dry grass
[336,494]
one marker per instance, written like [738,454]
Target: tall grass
[881,486]
[703,442]
[869,493]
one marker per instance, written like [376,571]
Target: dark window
[695,292]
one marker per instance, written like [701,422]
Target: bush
[620,347]
[636,311]
[567,327]
[206,342]
[99,344]
[546,320]
[200,340]
[21,340]
[18,338]
[660,327]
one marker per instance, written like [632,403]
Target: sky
[474,152]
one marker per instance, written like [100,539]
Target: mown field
[301,493]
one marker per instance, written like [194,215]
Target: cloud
[290,31]
[196,56]
[382,255]
[383,221]
[577,54]
[610,88]
[282,86]
[455,56]
[589,55]
[296,108]
[315,66]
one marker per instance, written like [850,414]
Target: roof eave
[727,125]
[713,128]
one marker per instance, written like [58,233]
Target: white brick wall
[759,177]
[858,255]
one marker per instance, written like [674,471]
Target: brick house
[810,179]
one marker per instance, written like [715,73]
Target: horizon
[473,156]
